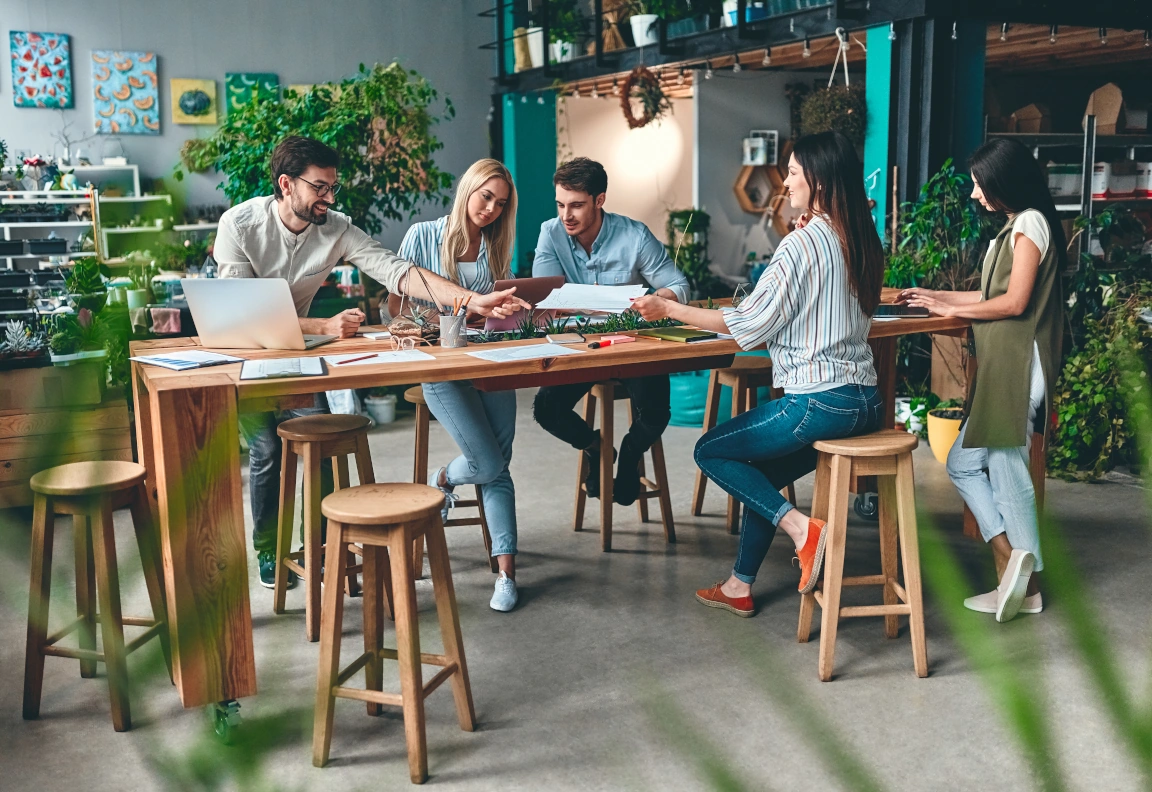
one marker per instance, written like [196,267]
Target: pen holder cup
[452,332]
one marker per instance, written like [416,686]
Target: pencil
[353,360]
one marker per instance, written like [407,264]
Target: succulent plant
[557,325]
[526,327]
[20,340]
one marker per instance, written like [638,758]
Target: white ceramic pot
[382,409]
[644,29]
[536,46]
[137,298]
[563,51]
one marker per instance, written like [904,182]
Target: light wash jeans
[995,482]
[483,426]
[756,453]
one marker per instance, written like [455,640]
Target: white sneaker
[986,603]
[1014,585]
[450,497]
[505,596]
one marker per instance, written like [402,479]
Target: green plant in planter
[565,22]
[82,331]
[526,327]
[3,154]
[840,107]
[142,273]
[379,120]
[20,341]
[85,282]
[687,234]
[557,325]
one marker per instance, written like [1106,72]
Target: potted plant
[565,26]
[77,338]
[645,16]
[943,427]
[381,405]
[839,107]
[85,284]
[687,234]
[141,273]
[21,347]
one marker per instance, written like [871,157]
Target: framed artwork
[126,93]
[193,101]
[240,88]
[41,69]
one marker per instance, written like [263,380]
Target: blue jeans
[483,426]
[264,458]
[756,453]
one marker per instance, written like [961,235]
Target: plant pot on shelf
[563,51]
[943,428]
[84,357]
[93,302]
[382,409]
[644,30]
[536,46]
[138,298]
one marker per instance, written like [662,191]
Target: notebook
[182,361]
[285,367]
[683,334]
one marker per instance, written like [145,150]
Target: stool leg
[287,515]
[111,618]
[606,442]
[373,624]
[910,550]
[364,471]
[153,565]
[484,530]
[328,669]
[641,502]
[343,481]
[408,655]
[838,483]
[313,552]
[711,410]
[819,511]
[420,464]
[39,593]
[449,618]
[582,464]
[660,471]
[85,590]
[888,558]
[739,401]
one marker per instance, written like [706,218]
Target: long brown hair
[499,236]
[836,177]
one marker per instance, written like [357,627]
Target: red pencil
[353,360]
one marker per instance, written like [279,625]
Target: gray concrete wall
[302,42]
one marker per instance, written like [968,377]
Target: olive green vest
[997,405]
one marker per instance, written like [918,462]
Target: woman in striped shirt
[472,246]
[811,307]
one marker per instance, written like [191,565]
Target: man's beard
[308,214]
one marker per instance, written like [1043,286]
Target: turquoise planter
[690,393]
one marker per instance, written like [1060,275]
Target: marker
[610,340]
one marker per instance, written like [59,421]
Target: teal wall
[968,91]
[878,93]
[530,154]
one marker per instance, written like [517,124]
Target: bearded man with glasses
[295,234]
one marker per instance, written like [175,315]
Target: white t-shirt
[1031,223]
[469,271]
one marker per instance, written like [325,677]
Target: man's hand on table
[497,305]
[344,324]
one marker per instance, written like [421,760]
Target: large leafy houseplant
[380,121]
[687,235]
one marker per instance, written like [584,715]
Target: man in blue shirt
[587,245]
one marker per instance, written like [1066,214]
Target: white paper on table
[181,361]
[536,351]
[281,367]
[377,336]
[890,318]
[399,356]
[580,297]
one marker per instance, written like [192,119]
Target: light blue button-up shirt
[625,253]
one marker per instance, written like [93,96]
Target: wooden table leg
[144,455]
[197,474]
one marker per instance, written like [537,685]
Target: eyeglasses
[323,189]
[404,343]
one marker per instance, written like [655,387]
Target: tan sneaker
[986,603]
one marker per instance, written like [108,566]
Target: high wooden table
[187,427]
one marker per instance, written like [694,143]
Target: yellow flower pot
[942,434]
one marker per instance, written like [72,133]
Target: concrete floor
[609,675]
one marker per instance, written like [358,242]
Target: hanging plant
[197,155]
[842,108]
[644,87]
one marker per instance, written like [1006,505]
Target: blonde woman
[472,247]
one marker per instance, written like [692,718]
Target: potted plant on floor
[943,427]
[381,405]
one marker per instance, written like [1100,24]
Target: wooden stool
[886,454]
[420,476]
[315,438]
[746,375]
[90,492]
[608,393]
[392,517]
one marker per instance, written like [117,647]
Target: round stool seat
[885,442]
[415,395]
[383,504]
[313,428]
[750,364]
[87,478]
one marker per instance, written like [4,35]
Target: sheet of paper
[181,361]
[579,297]
[534,352]
[377,336]
[283,367]
[401,356]
[889,318]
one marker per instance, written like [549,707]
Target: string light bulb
[540,99]
[1004,31]
[807,52]
[736,67]
[595,94]
[1052,31]
[767,57]
[615,87]
[680,77]
[1103,37]
[891,31]
[953,31]
[1147,38]
[524,99]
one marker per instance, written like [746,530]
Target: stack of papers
[578,297]
[182,361]
[533,352]
[282,367]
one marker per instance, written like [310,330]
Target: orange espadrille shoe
[715,598]
[811,556]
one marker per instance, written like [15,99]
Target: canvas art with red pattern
[41,69]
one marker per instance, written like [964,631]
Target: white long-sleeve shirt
[252,242]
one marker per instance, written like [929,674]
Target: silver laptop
[247,313]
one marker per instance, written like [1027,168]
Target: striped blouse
[421,246]
[804,310]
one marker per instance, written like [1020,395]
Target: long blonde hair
[498,235]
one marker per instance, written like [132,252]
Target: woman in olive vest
[1017,318]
